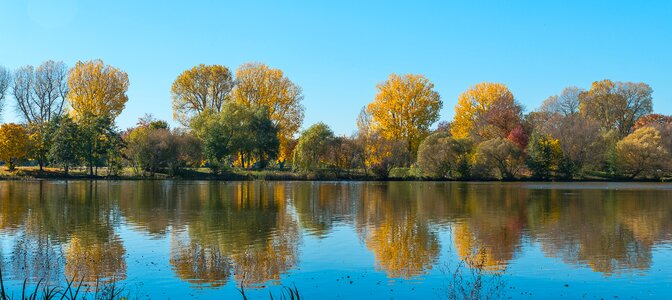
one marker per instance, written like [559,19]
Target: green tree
[543,155]
[216,135]
[65,143]
[101,141]
[238,130]
[263,141]
[313,147]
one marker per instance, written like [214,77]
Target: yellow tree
[13,144]
[486,111]
[404,108]
[199,88]
[617,105]
[97,89]
[258,85]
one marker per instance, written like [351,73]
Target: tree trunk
[66,170]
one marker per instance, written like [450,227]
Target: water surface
[193,239]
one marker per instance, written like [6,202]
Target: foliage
[543,155]
[581,141]
[237,130]
[346,153]
[617,105]
[502,155]
[152,147]
[642,154]
[404,108]
[258,86]
[485,111]
[97,90]
[655,120]
[313,148]
[519,137]
[65,146]
[382,154]
[199,88]
[442,156]
[13,144]
[101,141]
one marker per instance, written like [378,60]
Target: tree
[565,104]
[151,146]
[237,130]
[617,105]
[519,136]
[485,111]
[215,134]
[404,108]
[41,92]
[258,85]
[97,90]
[581,140]
[313,147]
[502,155]
[5,79]
[65,145]
[442,156]
[199,88]
[189,149]
[654,120]
[543,155]
[346,153]
[101,141]
[641,153]
[383,154]
[263,143]
[13,144]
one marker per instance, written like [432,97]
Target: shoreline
[290,176]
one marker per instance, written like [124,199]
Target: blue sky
[337,51]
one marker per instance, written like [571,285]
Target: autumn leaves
[251,118]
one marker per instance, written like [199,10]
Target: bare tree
[40,92]
[51,89]
[5,78]
[22,90]
[565,104]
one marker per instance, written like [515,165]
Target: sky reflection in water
[331,239]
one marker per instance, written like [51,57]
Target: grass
[286,293]
[70,291]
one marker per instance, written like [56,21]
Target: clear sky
[337,51]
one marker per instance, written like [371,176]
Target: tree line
[251,119]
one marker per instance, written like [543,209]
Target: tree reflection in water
[251,232]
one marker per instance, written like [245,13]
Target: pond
[424,240]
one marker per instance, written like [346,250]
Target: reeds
[70,291]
